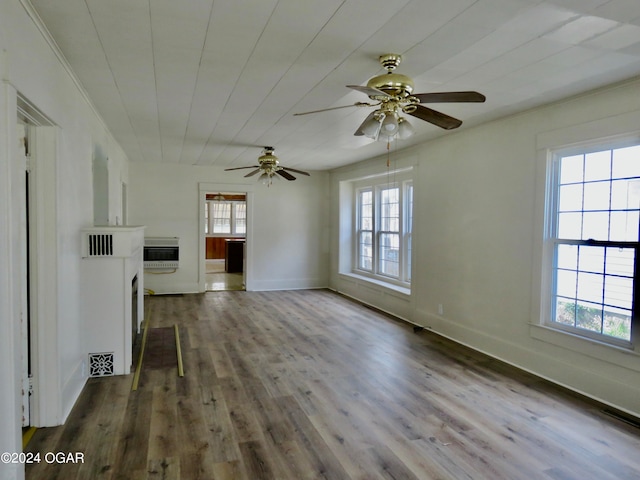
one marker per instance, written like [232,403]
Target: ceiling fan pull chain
[388,153]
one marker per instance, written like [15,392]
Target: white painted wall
[287,238]
[30,66]
[479,198]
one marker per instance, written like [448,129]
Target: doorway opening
[26,281]
[38,322]
[225,229]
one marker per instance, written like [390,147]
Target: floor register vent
[101,364]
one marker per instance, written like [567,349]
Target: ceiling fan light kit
[405,129]
[371,126]
[389,125]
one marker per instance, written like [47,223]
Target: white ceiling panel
[581,29]
[620,10]
[405,23]
[618,38]
[211,82]
[582,6]
[492,13]
[539,19]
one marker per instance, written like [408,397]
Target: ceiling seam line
[195,83]
[236,83]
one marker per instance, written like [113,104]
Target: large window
[383,231]
[594,230]
[225,217]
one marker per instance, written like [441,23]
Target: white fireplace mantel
[112,261]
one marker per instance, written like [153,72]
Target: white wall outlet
[440,309]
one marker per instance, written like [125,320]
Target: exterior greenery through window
[383,233]
[595,215]
[225,217]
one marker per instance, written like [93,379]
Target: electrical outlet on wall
[440,309]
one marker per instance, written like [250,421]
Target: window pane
[596,196]
[571,169]
[365,251]
[240,225]
[408,201]
[617,323]
[590,287]
[409,204]
[624,226]
[620,261]
[571,198]
[221,217]
[409,259]
[366,217]
[389,261]
[626,162]
[599,195]
[591,259]
[206,217]
[589,316]
[597,166]
[595,225]
[366,210]
[570,226]
[594,289]
[566,311]
[618,292]
[625,194]
[566,283]
[568,256]
[389,210]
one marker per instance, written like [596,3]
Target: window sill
[623,357]
[224,235]
[404,291]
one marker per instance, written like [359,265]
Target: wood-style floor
[310,385]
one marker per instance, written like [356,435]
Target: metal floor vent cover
[101,364]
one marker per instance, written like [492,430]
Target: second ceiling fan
[393,94]
[269,165]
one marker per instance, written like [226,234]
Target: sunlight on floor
[216,279]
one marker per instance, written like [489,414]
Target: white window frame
[552,240]
[376,185]
[209,218]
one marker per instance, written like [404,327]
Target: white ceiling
[209,82]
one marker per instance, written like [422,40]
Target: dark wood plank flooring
[310,385]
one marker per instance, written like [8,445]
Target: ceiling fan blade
[285,174]
[372,92]
[297,171]
[240,168]
[357,104]
[359,131]
[435,117]
[250,174]
[450,97]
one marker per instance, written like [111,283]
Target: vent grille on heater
[100,244]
